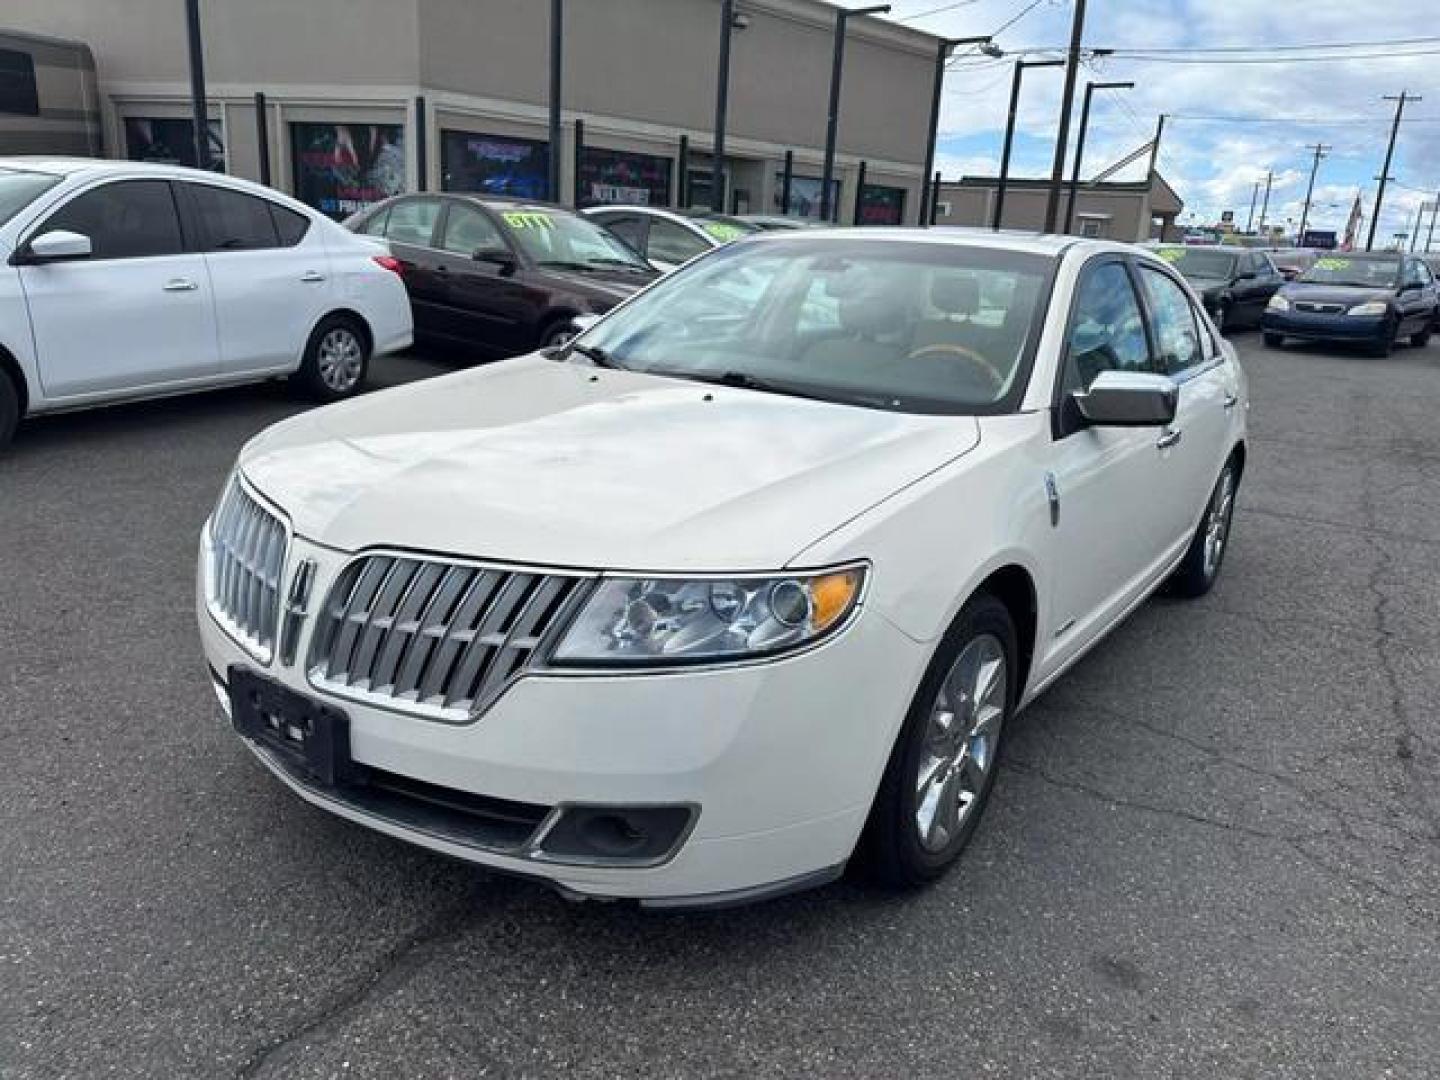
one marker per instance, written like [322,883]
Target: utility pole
[1155,146]
[1265,207]
[1384,176]
[832,124]
[1020,66]
[1415,232]
[1090,88]
[1434,212]
[722,105]
[1254,197]
[1320,150]
[198,109]
[557,39]
[1062,138]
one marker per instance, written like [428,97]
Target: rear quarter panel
[364,286]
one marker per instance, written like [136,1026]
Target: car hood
[608,286]
[559,464]
[1336,294]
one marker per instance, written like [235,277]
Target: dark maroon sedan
[498,275]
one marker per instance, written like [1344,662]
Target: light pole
[1062,137]
[1090,89]
[198,109]
[557,39]
[722,105]
[832,124]
[942,54]
[1020,66]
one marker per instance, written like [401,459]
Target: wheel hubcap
[960,742]
[1217,522]
[340,359]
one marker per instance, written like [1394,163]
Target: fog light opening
[613,835]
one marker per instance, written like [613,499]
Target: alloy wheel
[340,360]
[1217,522]
[960,742]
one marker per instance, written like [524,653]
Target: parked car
[1370,299]
[499,275]
[709,603]
[670,238]
[124,280]
[777,222]
[1234,283]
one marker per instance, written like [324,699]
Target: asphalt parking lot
[1215,850]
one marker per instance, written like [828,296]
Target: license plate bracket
[307,736]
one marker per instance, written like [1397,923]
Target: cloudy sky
[1213,163]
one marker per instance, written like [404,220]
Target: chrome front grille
[246,558]
[1319,308]
[433,638]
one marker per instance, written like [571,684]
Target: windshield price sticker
[1171,254]
[721,231]
[1332,264]
[527,219]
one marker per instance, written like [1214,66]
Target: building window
[494,164]
[171,141]
[1094,227]
[804,195]
[881,205]
[18,92]
[942,209]
[615,176]
[341,169]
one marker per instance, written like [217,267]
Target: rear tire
[556,333]
[337,359]
[9,410]
[1199,569]
[1274,341]
[1421,339]
[940,774]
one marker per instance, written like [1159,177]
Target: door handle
[1169,439]
[1231,400]
[180,285]
[312,276]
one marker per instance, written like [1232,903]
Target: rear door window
[127,219]
[232,220]
[413,222]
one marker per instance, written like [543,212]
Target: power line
[935,11]
[1145,58]
[1304,119]
[1314,46]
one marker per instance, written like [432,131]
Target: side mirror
[500,257]
[581,323]
[1128,399]
[58,245]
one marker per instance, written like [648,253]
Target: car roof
[74,166]
[1227,249]
[996,240]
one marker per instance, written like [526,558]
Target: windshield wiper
[596,355]
[564,264]
[605,260]
[743,380]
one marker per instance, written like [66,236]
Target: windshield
[1368,271]
[19,189]
[559,239]
[913,327]
[1199,263]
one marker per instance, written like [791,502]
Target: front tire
[337,358]
[1274,341]
[1199,569]
[1386,344]
[1421,339]
[9,410]
[942,768]
[556,333]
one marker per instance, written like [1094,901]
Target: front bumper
[1314,326]
[780,759]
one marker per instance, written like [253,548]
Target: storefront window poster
[882,205]
[171,141]
[804,195]
[341,169]
[494,164]
[617,176]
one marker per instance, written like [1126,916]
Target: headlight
[1370,307]
[1278,303]
[645,622]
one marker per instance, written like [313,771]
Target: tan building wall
[1120,211]
[639,73]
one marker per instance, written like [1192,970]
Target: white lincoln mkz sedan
[744,584]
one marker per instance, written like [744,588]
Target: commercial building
[364,98]
[1132,212]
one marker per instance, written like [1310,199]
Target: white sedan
[121,280]
[709,604]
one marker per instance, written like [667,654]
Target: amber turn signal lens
[832,596]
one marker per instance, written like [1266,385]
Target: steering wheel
[984,366]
